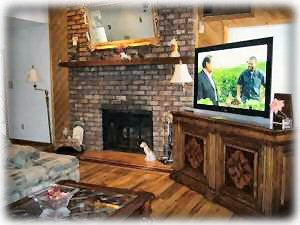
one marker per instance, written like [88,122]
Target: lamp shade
[33,75]
[181,74]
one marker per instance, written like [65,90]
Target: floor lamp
[33,77]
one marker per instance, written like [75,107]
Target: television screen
[234,77]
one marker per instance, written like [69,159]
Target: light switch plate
[10,84]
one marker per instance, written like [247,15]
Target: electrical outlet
[121,98]
[22,126]
[201,28]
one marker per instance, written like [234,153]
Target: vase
[287,123]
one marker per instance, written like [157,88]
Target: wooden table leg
[147,210]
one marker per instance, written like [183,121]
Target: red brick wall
[146,87]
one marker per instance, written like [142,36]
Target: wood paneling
[172,200]
[263,16]
[215,32]
[60,83]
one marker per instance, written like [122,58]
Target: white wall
[27,44]
[282,51]
[31,13]
[2,96]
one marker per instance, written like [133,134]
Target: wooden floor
[132,160]
[173,200]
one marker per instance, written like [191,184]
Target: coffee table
[91,201]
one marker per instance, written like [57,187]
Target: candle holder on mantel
[74,51]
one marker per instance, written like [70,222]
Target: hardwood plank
[103,177]
[125,180]
[198,206]
[191,201]
[145,178]
[125,159]
[156,187]
[179,211]
[88,170]
[165,206]
[162,186]
[174,187]
[204,210]
[172,200]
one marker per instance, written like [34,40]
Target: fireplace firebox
[124,130]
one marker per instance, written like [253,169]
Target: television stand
[244,167]
[252,120]
[218,117]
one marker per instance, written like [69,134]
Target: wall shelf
[119,62]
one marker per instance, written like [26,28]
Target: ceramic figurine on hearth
[74,141]
[78,131]
[123,55]
[174,48]
[121,50]
[149,154]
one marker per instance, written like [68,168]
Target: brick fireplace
[129,87]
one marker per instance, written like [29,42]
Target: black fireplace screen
[124,130]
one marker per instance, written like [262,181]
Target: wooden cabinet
[246,168]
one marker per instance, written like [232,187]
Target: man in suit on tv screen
[206,84]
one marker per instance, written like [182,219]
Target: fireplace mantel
[120,62]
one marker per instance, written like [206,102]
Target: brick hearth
[146,87]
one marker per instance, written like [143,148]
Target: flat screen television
[234,77]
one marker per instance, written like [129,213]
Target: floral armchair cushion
[20,156]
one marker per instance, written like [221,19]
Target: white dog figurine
[149,154]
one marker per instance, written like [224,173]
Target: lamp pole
[47,104]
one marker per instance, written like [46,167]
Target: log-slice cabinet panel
[239,162]
[193,155]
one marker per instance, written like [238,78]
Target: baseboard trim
[27,142]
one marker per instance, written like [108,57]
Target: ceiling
[32,13]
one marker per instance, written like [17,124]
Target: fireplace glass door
[124,130]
